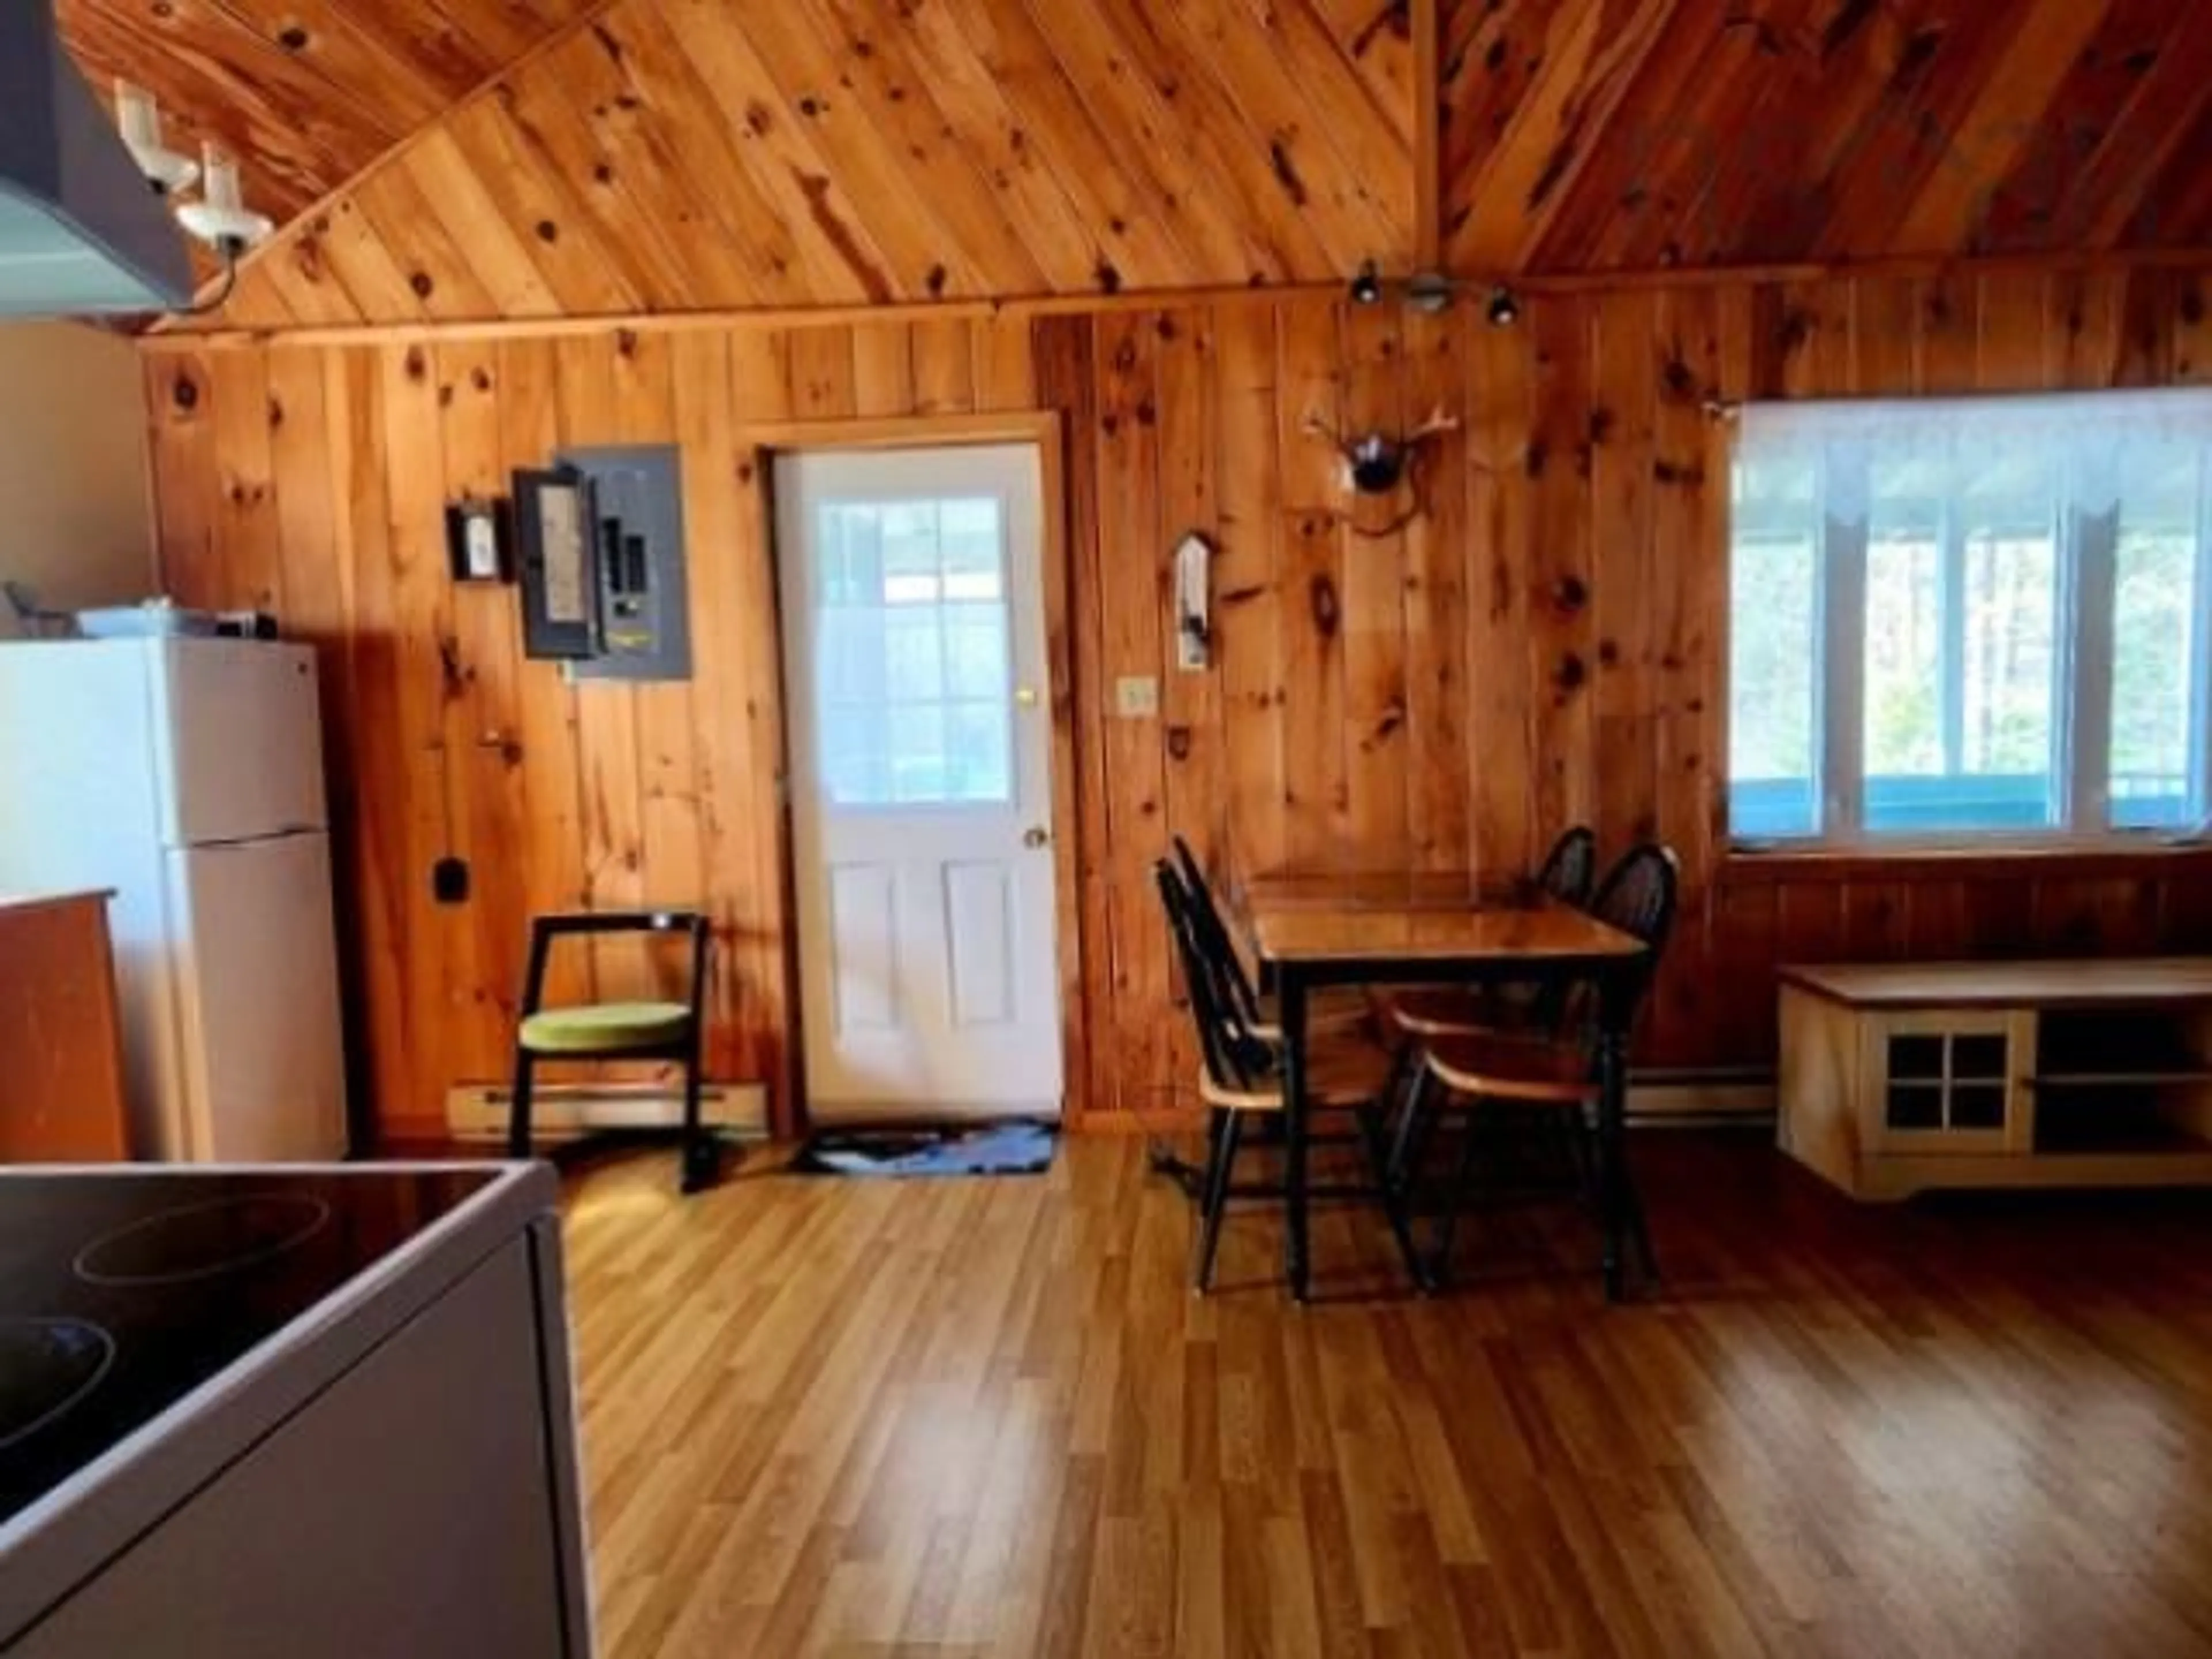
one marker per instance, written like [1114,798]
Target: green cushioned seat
[606,1028]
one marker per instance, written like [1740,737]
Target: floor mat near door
[1017,1146]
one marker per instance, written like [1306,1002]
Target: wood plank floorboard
[987,1418]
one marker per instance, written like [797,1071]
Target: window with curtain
[1971,618]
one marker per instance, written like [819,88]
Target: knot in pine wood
[1328,611]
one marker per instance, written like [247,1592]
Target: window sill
[1778,863]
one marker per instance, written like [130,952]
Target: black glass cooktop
[120,1293]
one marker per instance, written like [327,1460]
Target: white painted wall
[75,521]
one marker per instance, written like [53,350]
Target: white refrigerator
[186,776]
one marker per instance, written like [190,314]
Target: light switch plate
[1137,698]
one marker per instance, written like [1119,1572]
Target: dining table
[1308,932]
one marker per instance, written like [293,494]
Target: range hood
[81,230]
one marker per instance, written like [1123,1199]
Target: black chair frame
[1238,1059]
[702,1152]
[1648,916]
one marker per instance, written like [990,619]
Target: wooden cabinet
[61,1054]
[1897,1079]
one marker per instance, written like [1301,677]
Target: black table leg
[1612,1153]
[1291,1010]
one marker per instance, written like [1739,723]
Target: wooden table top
[1363,925]
[1426,890]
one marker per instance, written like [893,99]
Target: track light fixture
[218,216]
[1433,293]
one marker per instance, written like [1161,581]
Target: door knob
[1037,837]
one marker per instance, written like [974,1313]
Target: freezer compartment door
[257,998]
[238,740]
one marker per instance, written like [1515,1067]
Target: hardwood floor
[987,1418]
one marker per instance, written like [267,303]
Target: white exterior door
[920,780]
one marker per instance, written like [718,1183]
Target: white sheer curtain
[2080,439]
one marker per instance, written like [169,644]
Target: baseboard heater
[566,1111]
[1687,1098]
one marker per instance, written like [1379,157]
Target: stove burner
[202,1241]
[46,1366]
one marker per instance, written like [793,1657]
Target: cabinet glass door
[1945,1083]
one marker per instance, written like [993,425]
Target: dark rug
[1016,1147]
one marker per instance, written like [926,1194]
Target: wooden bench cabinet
[1897,1080]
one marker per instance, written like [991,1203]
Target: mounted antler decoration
[1379,465]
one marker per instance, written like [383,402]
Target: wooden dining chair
[1325,1013]
[1240,1078]
[1555,1073]
[1425,1012]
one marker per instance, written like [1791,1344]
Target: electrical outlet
[1137,698]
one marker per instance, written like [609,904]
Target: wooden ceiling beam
[2098,265]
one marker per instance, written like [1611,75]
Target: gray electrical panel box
[638,554]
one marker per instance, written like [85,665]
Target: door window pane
[982,748]
[915,656]
[913,653]
[976,647]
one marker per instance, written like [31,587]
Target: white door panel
[258,1001]
[922,788]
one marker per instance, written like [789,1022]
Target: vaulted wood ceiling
[469,159]
[1585,135]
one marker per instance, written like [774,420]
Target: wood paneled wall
[1546,644]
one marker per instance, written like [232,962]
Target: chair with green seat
[617,1031]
